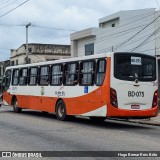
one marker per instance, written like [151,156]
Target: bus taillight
[155,99]
[113,98]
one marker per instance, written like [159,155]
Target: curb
[136,121]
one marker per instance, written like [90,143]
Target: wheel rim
[60,111]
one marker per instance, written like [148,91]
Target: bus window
[33,72]
[7,79]
[131,67]
[100,72]
[23,76]
[86,73]
[71,74]
[44,75]
[57,73]
[15,77]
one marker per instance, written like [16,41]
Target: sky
[52,21]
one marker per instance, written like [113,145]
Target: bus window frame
[24,77]
[10,83]
[133,79]
[15,77]
[93,74]
[98,60]
[39,75]
[57,64]
[29,75]
[76,73]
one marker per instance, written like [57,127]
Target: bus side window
[87,72]
[44,75]
[56,74]
[100,72]
[23,76]
[7,79]
[15,78]
[71,74]
[33,72]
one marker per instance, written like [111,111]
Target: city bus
[109,85]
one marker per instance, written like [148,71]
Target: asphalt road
[35,131]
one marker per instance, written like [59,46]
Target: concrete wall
[130,34]
[40,52]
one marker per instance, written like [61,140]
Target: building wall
[39,53]
[130,33]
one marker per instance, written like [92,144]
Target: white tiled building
[132,30]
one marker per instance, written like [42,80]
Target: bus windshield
[129,67]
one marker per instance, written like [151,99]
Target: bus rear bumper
[136,114]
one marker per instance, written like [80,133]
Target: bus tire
[16,109]
[61,111]
[97,119]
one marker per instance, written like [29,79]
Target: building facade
[39,53]
[126,31]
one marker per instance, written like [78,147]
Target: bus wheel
[15,106]
[61,111]
[97,119]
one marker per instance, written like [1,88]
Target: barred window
[23,76]
[44,75]
[87,73]
[33,72]
[71,74]
[56,74]
[100,74]
[15,79]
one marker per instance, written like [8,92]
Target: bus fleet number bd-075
[135,94]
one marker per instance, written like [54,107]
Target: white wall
[130,34]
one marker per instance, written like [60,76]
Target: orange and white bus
[122,85]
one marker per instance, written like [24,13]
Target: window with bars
[15,79]
[33,74]
[71,74]
[56,74]
[23,76]
[87,73]
[44,75]
[100,72]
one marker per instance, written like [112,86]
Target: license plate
[135,106]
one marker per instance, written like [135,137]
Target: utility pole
[26,58]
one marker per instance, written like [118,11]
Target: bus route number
[135,94]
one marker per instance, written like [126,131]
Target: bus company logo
[42,90]
[60,93]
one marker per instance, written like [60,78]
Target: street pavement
[150,121]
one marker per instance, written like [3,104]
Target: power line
[5,2]
[155,32]
[120,45]
[13,9]
[8,4]
[38,26]
[107,37]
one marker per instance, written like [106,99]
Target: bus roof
[102,55]
[62,60]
